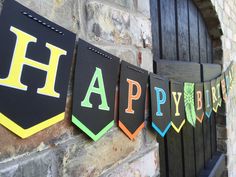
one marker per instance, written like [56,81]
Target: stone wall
[123,28]
[227,130]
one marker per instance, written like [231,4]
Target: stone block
[143,6]
[140,29]
[129,4]
[145,165]
[107,24]
[146,60]
[62,12]
[37,164]
[92,158]
[12,145]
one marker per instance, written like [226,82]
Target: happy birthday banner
[36,57]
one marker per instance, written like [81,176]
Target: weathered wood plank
[209,49]
[182,30]
[181,71]
[155,29]
[210,71]
[202,39]
[199,148]
[193,32]
[168,29]
[162,155]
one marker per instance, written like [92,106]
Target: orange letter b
[131,96]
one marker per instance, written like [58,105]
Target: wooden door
[182,48]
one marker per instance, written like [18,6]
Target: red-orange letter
[131,96]
[199,100]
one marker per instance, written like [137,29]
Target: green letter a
[100,90]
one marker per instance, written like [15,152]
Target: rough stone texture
[37,164]
[141,166]
[62,12]
[92,159]
[110,25]
[226,131]
[144,7]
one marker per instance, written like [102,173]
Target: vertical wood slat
[210,72]
[180,71]
[162,156]
[174,139]
[199,129]
[182,30]
[168,29]
[168,51]
[202,40]
[209,49]
[199,148]
[155,29]
[213,136]
[193,32]
[194,56]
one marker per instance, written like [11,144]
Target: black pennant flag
[177,106]
[132,94]
[218,91]
[35,56]
[96,76]
[214,95]
[223,88]
[199,101]
[160,104]
[231,74]
[208,99]
[227,81]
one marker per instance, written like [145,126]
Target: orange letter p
[132,96]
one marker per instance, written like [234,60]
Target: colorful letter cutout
[132,94]
[177,106]
[189,103]
[96,76]
[199,102]
[208,99]
[160,104]
[214,93]
[223,88]
[36,57]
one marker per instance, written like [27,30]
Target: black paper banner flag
[160,104]
[133,82]
[96,76]
[227,81]
[208,99]
[199,102]
[177,106]
[214,96]
[35,57]
[189,103]
[231,74]
[223,87]
[218,91]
